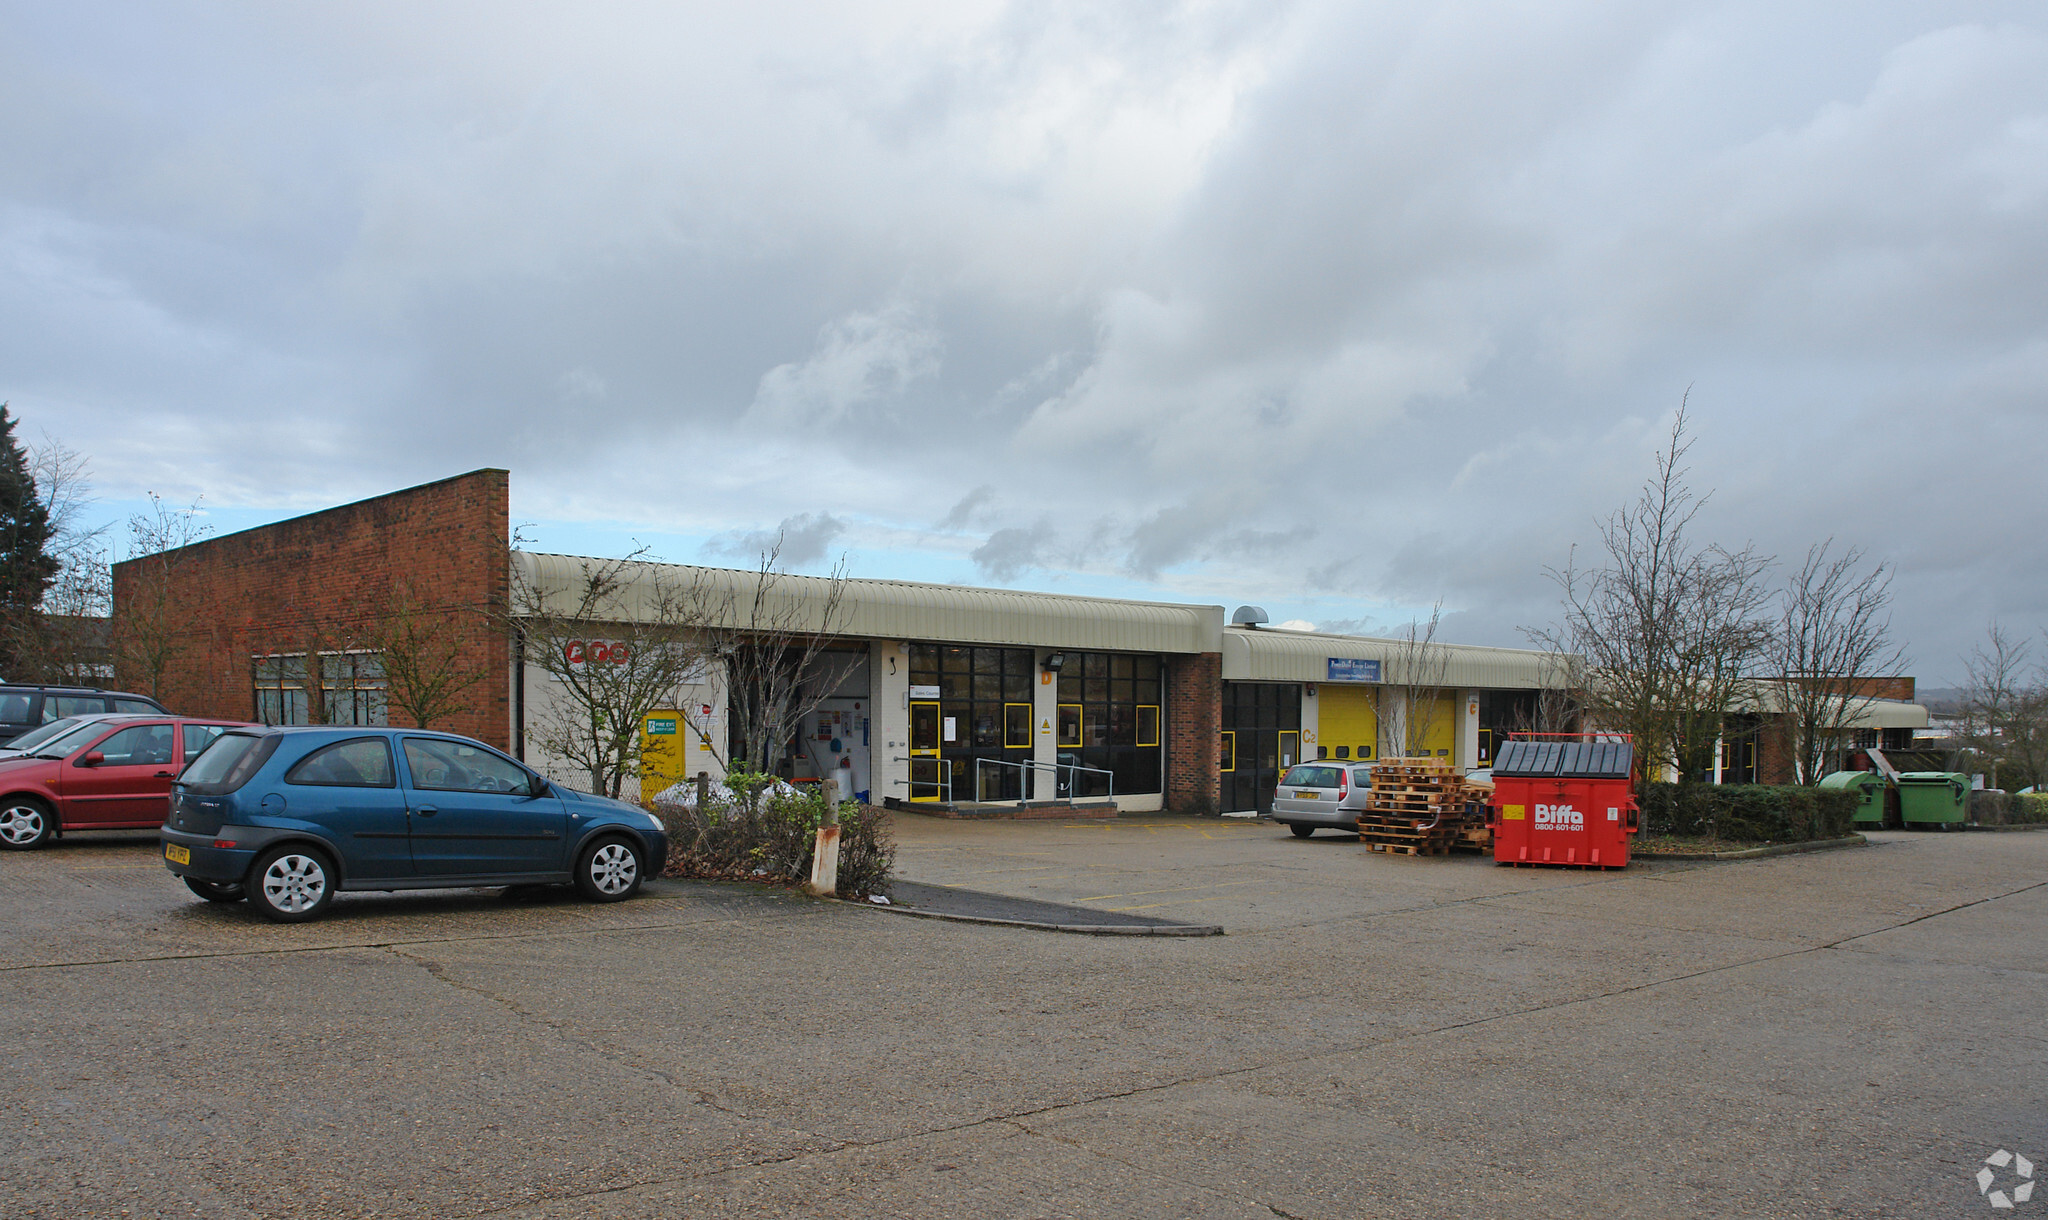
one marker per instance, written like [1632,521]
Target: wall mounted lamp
[1053,661]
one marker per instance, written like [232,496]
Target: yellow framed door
[925,762]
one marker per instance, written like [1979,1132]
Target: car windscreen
[65,742]
[28,741]
[1314,777]
[228,763]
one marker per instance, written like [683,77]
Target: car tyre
[291,884]
[25,823]
[216,891]
[609,870]
[1299,831]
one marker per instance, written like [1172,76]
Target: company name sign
[1354,669]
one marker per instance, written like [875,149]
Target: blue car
[286,816]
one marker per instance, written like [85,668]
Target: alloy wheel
[294,883]
[613,868]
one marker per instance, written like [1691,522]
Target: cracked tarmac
[1838,1034]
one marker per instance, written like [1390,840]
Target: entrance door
[924,753]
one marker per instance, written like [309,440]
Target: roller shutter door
[1345,718]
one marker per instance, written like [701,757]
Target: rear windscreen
[1314,777]
[227,764]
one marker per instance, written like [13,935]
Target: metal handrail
[945,774]
[1034,764]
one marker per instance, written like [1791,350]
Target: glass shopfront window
[983,711]
[1109,718]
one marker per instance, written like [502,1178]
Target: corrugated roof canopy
[1267,654]
[897,609]
[1768,697]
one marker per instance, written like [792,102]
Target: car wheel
[25,824]
[291,884]
[609,870]
[1299,831]
[215,891]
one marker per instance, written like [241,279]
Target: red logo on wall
[583,652]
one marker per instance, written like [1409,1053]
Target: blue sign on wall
[1354,669]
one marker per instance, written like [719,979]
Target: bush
[2027,807]
[756,828]
[1749,813]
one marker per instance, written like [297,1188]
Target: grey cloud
[1010,553]
[1353,306]
[968,509]
[799,542]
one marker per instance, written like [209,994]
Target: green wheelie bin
[1870,787]
[1934,798]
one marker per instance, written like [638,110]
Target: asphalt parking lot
[1840,1034]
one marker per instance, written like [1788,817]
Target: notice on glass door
[950,729]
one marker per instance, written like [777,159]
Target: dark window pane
[1120,666]
[1123,725]
[956,660]
[954,686]
[1145,667]
[1120,690]
[988,688]
[1017,688]
[1095,690]
[1144,691]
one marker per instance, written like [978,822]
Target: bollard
[825,864]
[703,790]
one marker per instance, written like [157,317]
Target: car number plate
[1308,796]
[176,854]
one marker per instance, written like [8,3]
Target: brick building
[940,694]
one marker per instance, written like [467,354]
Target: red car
[108,774]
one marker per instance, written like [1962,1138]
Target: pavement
[1836,1034]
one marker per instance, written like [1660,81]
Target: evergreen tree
[26,565]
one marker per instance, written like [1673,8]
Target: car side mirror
[93,758]
[537,787]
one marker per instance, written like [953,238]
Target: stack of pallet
[1424,807]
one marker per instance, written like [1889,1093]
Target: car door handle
[427,811]
[165,775]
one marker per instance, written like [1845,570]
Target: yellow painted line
[1178,889]
[1036,868]
[1191,902]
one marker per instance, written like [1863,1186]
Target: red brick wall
[1194,732]
[319,582]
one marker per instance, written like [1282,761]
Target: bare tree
[614,645]
[2005,709]
[1718,635]
[67,641]
[1667,629]
[422,647]
[773,634]
[1555,706]
[152,614]
[1834,628]
[1409,704]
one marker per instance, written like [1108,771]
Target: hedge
[2028,807]
[1748,813]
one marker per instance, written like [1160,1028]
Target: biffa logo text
[1559,817]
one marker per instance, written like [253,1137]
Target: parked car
[1328,793]
[108,774]
[35,738]
[286,816]
[25,707]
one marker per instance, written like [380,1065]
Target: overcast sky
[1335,308]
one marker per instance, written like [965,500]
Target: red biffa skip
[1566,802]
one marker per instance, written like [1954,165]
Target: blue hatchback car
[286,816]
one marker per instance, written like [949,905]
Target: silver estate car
[1327,793]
